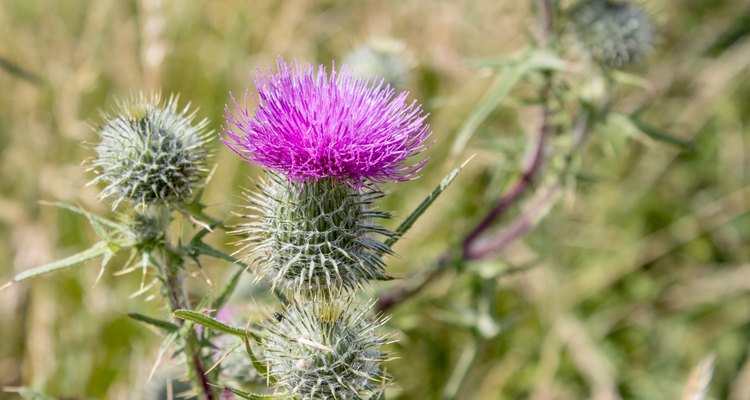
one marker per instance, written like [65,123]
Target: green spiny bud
[150,152]
[325,348]
[314,235]
[380,58]
[613,33]
[146,225]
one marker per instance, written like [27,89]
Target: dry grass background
[638,277]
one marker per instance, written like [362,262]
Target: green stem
[171,264]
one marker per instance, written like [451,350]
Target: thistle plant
[327,142]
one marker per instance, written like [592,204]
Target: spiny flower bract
[311,126]
[150,152]
[614,33]
[325,348]
[314,235]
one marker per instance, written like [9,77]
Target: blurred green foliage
[634,278]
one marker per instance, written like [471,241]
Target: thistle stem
[171,263]
[526,180]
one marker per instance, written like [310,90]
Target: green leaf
[424,205]
[204,249]
[161,324]
[81,211]
[227,292]
[661,136]
[209,322]
[98,250]
[259,366]
[505,81]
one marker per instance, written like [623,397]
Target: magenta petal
[310,126]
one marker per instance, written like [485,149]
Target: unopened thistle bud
[325,348]
[380,58]
[150,153]
[613,33]
[315,235]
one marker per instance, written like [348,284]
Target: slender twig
[520,225]
[516,191]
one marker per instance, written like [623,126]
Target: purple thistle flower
[313,126]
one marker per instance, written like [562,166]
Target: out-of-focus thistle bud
[325,348]
[382,58]
[312,235]
[150,152]
[613,33]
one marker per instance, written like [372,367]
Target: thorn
[7,285]
[208,280]
[126,270]
[99,276]
[199,223]
[471,157]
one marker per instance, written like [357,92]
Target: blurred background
[635,283]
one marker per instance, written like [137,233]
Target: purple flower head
[311,126]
